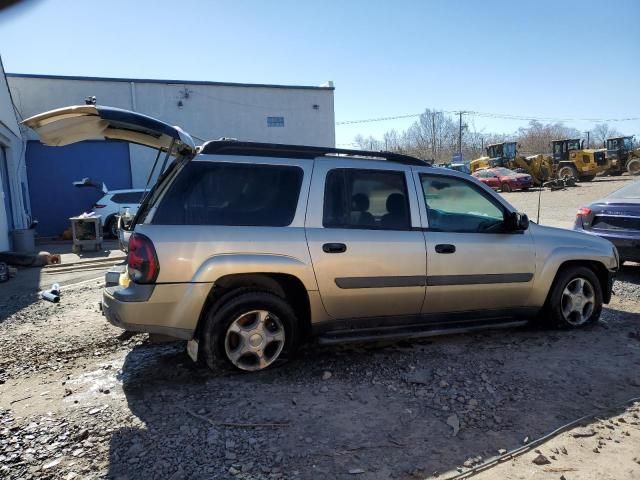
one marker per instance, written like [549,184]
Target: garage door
[52,170]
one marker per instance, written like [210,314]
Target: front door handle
[334,248]
[445,248]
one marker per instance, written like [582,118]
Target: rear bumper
[167,309]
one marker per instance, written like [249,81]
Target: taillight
[142,259]
[583,212]
[98,205]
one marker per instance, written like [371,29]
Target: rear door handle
[445,248]
[334,248]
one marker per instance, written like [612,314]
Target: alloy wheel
[254,340]
[578,301]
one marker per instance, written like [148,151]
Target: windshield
[573,145]
[505,172]
[629,191]
[627,143]
[509,150]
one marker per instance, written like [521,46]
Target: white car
[115,202]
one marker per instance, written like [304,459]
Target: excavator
[623,154]
[505,154]
[570,158]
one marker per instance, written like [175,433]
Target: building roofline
[168,82]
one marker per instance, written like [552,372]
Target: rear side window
[207,193]
[366,199]
[129,197]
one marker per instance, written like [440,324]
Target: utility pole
[460,134]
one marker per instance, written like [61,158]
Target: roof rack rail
[257,149]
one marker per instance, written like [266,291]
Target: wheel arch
[287,286]
[598,268]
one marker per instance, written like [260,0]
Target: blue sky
[561,59]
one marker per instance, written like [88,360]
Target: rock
[70,476]
[443,384]
[468,463]
[51,464]
[502,451]
[356,471]
[525,440]
[229,444]
[541,460]
[233,471]
[324,389]
[454,422]
[326,375]
[583,432]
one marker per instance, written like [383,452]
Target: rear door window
[208,193]
[366,199]
[128,198]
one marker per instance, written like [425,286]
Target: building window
[275,121]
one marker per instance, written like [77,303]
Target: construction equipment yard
[81,399]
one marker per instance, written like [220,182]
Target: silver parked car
[246,249]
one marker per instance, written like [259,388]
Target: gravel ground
[80,399]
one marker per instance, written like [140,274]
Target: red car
[501,178]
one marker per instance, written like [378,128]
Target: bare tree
[537,137]
[602,131]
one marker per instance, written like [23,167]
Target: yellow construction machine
[570,158]
[505,154]
[623,155]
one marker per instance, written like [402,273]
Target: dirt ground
[81,399]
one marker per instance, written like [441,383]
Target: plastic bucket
[24,240]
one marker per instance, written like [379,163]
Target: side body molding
[218,266]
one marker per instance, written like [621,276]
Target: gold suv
[246,249]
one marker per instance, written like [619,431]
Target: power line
[504,116]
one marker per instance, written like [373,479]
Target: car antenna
[539,196]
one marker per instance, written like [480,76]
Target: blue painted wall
[52,170]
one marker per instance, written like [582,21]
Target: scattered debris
[541,460]
[454,422]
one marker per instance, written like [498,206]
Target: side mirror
[517,222]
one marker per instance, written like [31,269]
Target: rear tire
[575,299]
[506,188]
[633,166]
[111,227]
[249,330]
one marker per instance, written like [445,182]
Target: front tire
[567,171]
[576,298]
[506,188]
[249,331]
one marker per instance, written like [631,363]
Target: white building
[206,110]
[14,202]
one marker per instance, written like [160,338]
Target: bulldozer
[623,155]
[570,158]
[505,154]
